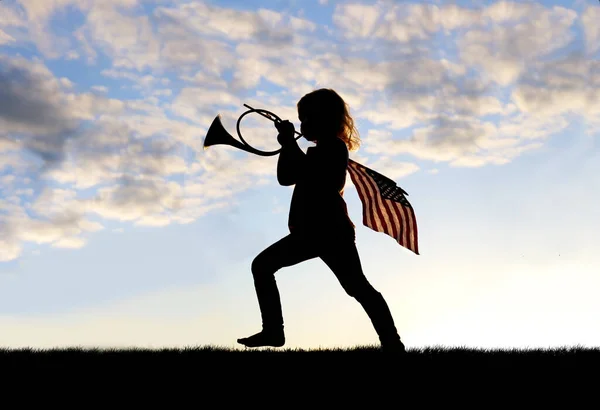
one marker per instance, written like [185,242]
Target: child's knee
[362,290]
[261,267]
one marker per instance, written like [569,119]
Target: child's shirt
[319,176]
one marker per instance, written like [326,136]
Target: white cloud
[39,14]
[142,82]
[9,249]
[560,86]
[445,140]
[507,11]
[357,19]
[299,24]
[100,88]
[129,40]
[72,55]
[70,243]
[590,20]
[154,220]
[267,25]
[505,51]
[104,155]
[7,179]
[202,78]
[66,83]
[55,229]
[393,168]
[195,103]
[133,198]
[465,142]
[5,38]
[502,95]
[86,47]
[10,17]
[162,93]
[401,22]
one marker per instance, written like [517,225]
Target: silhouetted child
[318,222]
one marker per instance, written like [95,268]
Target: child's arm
[290,163]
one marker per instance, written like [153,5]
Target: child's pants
[341,255]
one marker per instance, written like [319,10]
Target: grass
[361,349]
[433,356]
[433,373]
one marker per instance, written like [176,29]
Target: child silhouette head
[324,114]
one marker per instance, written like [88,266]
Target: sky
[118,229]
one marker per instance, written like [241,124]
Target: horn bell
[217,134]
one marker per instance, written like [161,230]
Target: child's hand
[286,132]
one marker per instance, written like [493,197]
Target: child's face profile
[306,128]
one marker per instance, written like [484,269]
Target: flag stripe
[402,223]
[396,224]
[373,221]
[368,217]
[377,206]
[390,227]
[394,217]
[414,232]
[405,223]
[381,202]
[367,198]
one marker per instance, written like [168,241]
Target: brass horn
[217,134]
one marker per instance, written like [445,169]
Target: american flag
[385,207]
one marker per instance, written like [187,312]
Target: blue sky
[117,228]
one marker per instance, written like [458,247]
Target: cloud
[505,51]
[27,88]
[134,198]
[38,114]
[5,38]
[126,155]
[72,55]
[563,86]
[446,100]
[358,19]
[70,243]
[100,88]
[129,40]
[590,19]
[141,81]
[401,22]
[270,27]
[60,229]
[9,17]
[467,142]
[38,16]
[299,24]
[446,139]
[9,250]
[468,86]
[392,168]
[199,103]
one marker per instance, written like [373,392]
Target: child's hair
[332,113]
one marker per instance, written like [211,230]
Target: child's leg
[288,251]
[343,259]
